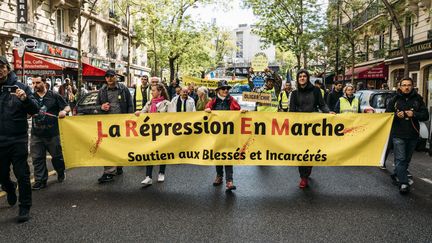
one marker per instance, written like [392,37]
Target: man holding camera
[45,133]
[16,101]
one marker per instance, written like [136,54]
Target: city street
[349,204]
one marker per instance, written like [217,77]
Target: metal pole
[337,39]
[22,66]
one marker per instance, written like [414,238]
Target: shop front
[372,76]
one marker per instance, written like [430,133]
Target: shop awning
[33,63]
[89,70]
[368,72]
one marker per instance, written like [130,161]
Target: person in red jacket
[223,101]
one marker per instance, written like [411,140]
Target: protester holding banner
[159,103]
[284,97]
[45,133]
[182,102]
[141,94]
[306,98]
[203,98]
[17,101]
[223,101]
[268,88]
[192,92]
[113,98]
[409,108]
[348,103]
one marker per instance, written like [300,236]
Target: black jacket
[333,98]
[126,105]
[307,99]
[13,113]
[407,128]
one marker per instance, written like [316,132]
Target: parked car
[374,101]
[237,93]
[86,105]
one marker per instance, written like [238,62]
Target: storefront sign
[28,72]
[415,48]
[22,9]
[52,49]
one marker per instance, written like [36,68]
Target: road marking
[51,173]
[427,180]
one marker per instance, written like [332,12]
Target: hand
[332,112]
[20,94]
[62,114]
[409,113]
[105,106]
[400,114]
[137,113]
[243,111]
[208,110]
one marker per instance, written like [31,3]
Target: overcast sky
[233,16]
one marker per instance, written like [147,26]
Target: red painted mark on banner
[352,130]
[246,146]
[101,135]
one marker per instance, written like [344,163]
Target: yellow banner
[225,138]
[210,83]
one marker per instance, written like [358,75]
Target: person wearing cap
[113,98]
[45,133]
[141,93]
[68,91]
[14,138]
[306,98]
[348,103]
[268,88]
[223,101]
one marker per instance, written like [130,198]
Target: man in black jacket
[306,98]
[14,107]
[113,98]
[409,108]
[334,96]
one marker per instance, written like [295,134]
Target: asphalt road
[343,204]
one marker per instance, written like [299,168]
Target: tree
[391,11]
[288,24]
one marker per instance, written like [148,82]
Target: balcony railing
[369,13]
[379,54]
[125,58]
[111,54]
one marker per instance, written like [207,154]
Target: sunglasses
[223,88]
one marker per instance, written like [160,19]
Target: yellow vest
[273,107]
[138,98]
[346,107]
[322,92]
[284,100]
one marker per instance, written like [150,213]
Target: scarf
[154,102]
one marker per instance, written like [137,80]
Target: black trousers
[16,155]
[228,171]
[149,170]
[305,171]
[38,148]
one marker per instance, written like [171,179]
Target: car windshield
[90,99]
[380,100]
[239,89]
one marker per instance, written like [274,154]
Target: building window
[366,46]
[409,30]
[381,41]
[93,38]
[112,13]
[239,44]
[111,47]
[390,37]
[60,20]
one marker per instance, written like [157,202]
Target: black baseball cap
[110,73]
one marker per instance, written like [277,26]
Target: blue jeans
[403,150]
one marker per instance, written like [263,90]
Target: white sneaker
[147,181]
[410,182]
[161,177]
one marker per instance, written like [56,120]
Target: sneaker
[23,215]
[11,196]
[161,177]
[217,181]
[119,171]
[410,181]
[106,178]
[230,186]
[303,183]
[409,174]
[61,177]
[404,189]
[38,185]
[147,181]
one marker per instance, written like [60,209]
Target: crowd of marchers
[18,103]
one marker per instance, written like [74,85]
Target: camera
[9,88]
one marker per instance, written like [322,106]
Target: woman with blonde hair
[203,98]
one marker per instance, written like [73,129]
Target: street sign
[22,9]
[20,45]
[30,44]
